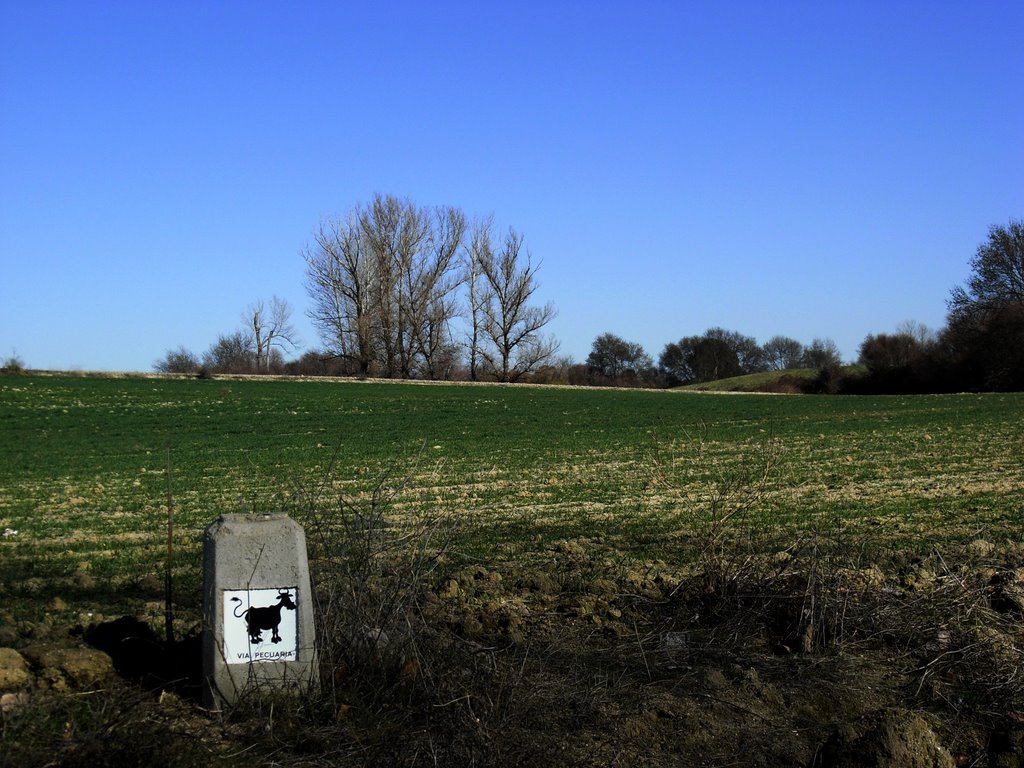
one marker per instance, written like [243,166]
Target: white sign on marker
[260,625]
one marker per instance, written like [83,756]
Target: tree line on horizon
[981,347]
[409,292]
[716,354]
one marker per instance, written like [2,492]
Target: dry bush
[402,683]
[394,686]
[718,500]
[12,366]
[370,573]
[963,652]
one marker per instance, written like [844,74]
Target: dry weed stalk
[714,499]
[960,649]
[370,574]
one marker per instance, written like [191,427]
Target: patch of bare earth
[585,657]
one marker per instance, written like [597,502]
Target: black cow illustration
[258,619]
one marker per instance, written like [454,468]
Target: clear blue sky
[800,168]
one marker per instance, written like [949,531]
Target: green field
[83,467]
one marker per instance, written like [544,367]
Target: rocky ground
[581,659]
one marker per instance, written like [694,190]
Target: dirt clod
[890,739]
[68,669]
[14,673]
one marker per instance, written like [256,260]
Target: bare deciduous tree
[822,353]
[231,353]
[512,325]
[675,360]
[383,282]
[476,252]
[998,275]
[612,357]
[180,360]
[984,337]
[783,352]
[270,328]
[716,354]
[393,231]
[749,354]
[431,283]
[888,351]
[338,280]
[918,331]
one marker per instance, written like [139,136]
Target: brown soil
[590,660]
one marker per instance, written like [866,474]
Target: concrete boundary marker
[258,628]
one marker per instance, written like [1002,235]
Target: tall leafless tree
[476,251]
[431,283]
[270,328]
[338,279]
[393,231]
[383,283]
[511,324]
